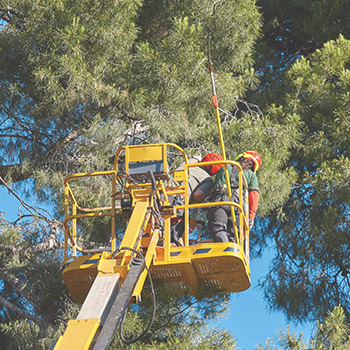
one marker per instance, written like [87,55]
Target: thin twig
[31,209]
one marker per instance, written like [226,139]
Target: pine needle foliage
[79,79]
[332,334]
[310,272]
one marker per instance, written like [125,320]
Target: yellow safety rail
[102,279]
[74,212]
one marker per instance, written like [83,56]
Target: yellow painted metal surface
[148,258]
[79,335]
[135,224]
[188,265]
[145,153]
[221,266]
[78,275]
[106,265]
[193,269]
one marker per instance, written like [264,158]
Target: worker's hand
[251,223]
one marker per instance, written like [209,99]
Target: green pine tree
[332,334]
[310,272]
[78,80]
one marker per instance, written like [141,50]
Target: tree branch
[51,243]
[135,129]
[65,141]
[10,15]
[4,247]
[23,314]
[22,137]
[31,209]
[16,172]
[19,286]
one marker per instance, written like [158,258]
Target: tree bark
[25,315]
[20,287]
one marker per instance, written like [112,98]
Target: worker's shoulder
[252,180]
[249,174]
[198,171]
[221,171]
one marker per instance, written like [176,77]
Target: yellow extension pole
[216,106]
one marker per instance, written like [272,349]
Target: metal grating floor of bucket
[165,273]
[214,266]
[228,285]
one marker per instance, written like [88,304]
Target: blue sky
[8,204]
[248,319]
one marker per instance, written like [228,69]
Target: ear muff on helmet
[212,169]
[254,156]
[198,158]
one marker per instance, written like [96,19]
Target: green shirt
[250,176]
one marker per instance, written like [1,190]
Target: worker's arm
[253,205]
[202,190]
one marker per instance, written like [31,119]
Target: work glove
[251,223]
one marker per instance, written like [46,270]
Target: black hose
[126,341]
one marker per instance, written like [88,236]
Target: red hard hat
[254,156]
[212,169]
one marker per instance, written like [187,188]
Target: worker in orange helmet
[200,185]
[204,181]
[220,220]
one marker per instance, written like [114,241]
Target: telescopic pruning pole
[216,106]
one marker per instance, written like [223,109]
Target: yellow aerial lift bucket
[185,270]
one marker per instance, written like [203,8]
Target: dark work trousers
[220,222]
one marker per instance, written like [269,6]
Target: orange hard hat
[254,156]
[212,169]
